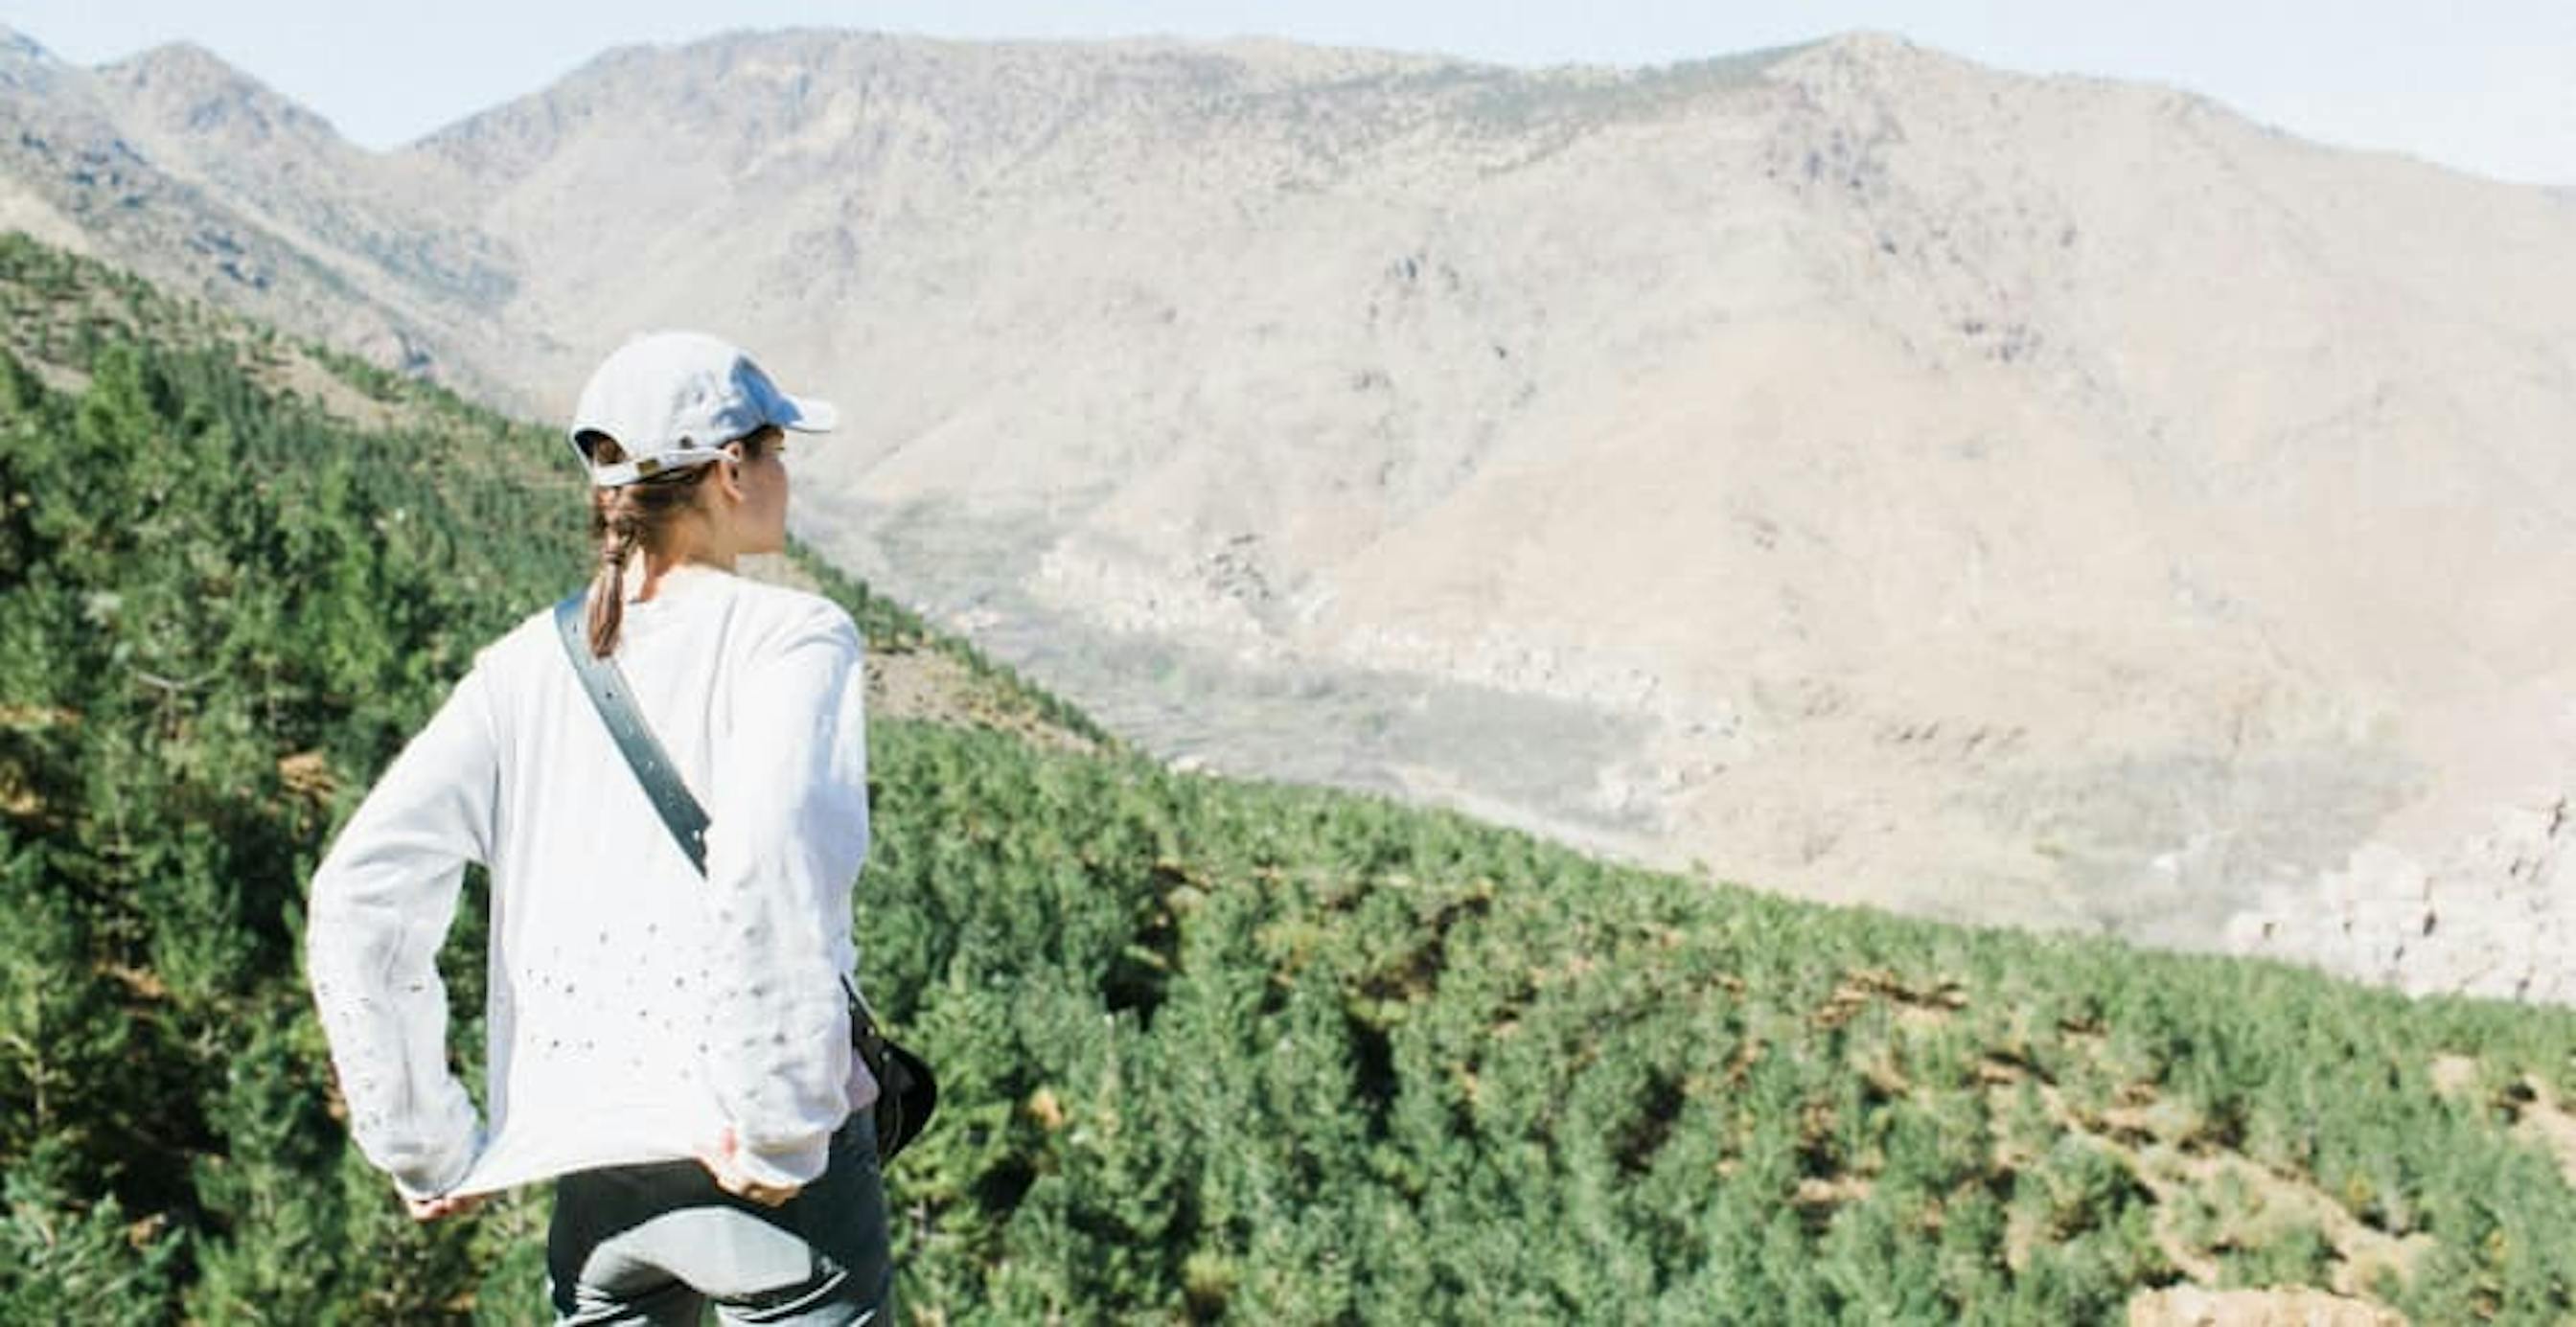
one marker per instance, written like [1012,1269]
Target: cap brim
[808,415]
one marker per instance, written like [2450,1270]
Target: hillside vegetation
[1211,1051]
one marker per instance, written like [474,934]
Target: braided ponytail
[618,526]
[622,520]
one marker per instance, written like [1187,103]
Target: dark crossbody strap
[671,798]
[606,684]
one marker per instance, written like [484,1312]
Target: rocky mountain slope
[1856,471]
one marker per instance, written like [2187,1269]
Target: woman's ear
[728,476]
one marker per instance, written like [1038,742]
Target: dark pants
[657,1243]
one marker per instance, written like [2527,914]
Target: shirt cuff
[435,1179]
[782,1167]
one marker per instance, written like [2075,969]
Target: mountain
[241,141]
[1844,468]
[190,172]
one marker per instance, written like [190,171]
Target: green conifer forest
[1211,1051]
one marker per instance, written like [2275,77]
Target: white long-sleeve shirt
[635,1009]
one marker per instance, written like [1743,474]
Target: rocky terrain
[2495,916]
[1845,468]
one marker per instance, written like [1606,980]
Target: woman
[672,1049]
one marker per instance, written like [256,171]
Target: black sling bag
[906,1092]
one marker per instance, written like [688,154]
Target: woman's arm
[789,832]
[381,905]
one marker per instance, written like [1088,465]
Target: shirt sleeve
[789,832]
[380,909]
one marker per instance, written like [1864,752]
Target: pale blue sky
[2482,85]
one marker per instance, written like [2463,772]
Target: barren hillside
[1863,473]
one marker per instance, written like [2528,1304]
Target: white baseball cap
[674,399]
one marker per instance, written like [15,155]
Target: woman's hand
[431,1209]
[724,1161]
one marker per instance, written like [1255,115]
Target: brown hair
[639,515]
